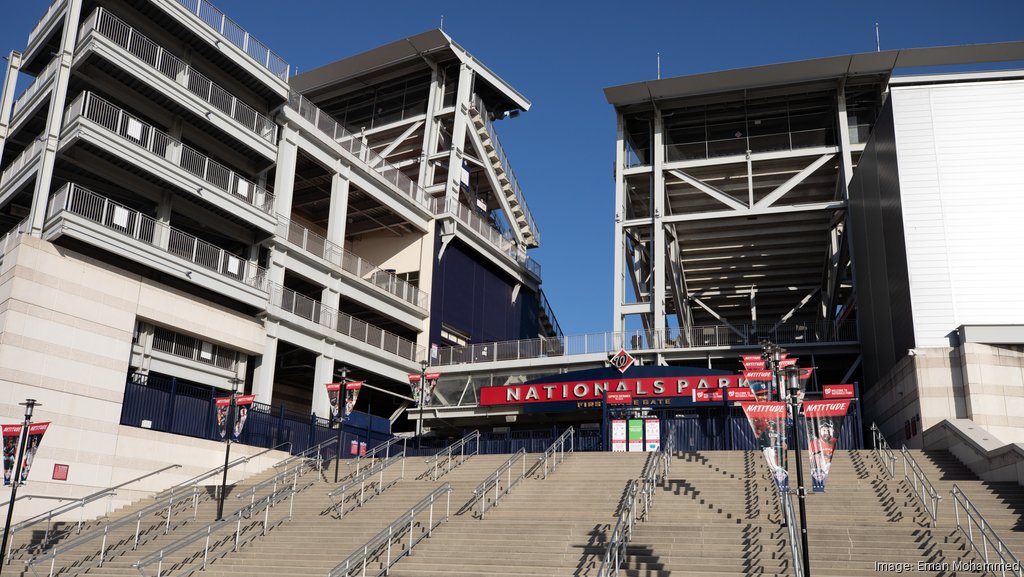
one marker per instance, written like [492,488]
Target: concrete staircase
[119,553]
[543,527]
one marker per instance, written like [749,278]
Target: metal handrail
[989,538]
[923,487]
[277,479]
[789,516]
[362,478]
[81,502]
[555,453]
[481,491]
[246,512]
[358,560]
[883,452]
[618,539]
[448,454]
[374,453]
[318,449]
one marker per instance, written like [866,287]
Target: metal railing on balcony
[8,241]
[127,221]
[711,336]
[478,104]
[130,128]
[149,52]
[319,246]
[27,157]
[503,241]
[300,305]
[54,7]
[35,86]
[352,143]
[237,35]
[545,306]
[189,347]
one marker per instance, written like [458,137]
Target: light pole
[772,355]
[419,421]
[793,380]
[229,427]
[29,405]
[341,420]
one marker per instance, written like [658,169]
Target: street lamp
[419,421]
[29,405]
[229,427]
[792,373]
[341,419]
[772,355]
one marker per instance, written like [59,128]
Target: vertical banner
[768,421]
[35,437]
[415,385]
[428,393]
[636,435]
[11,433]
[823,420]
[334,398]
[652,435]
[241,415]
[352,389]
[618,436]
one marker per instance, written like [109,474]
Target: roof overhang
[433,44]
[836,67]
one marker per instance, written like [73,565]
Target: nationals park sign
[641,383]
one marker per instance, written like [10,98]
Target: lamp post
[29,405]
[772,355]
[341,420]
[229,427]
[793,380]
[419,421]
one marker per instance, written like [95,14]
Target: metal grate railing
[237,35]
[483,227]
[141,134]
[313,243]
[152,54]
[193,349]
[289,301]
[119,218]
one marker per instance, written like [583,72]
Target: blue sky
[562,54]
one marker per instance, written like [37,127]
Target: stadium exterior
[181,214]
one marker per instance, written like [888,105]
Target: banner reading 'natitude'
[823,420]
[768,420]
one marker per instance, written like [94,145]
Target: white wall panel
[961,166]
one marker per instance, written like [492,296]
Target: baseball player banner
[11,437]
[352,389]
[823,420]
[11,434]
[768,421]
[241,415]
[334,397]
[423,392]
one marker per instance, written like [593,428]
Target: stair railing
[618,540]
[503,472]
[247,512]
[786,504]
[375,453]
[314,453]
[289,476]
[337,496]
[923,488]
[50,535]
[555,453]
[883,452]
[399,535]
[453,456]
[972,525]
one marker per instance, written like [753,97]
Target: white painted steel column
[430,131]
[461,121]
[426,281]
[843,138]
[338,213]
[14,60]
[619,261]
[263,373]
[658,257]
[55,116]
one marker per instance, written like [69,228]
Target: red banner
[741,394]
[352,389]
[651,387]
[708,395]
[241,415]
[822,421]
[11,438]
[619,398]
[11,433]
[838,391]
[768,421]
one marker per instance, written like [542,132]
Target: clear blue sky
[561,54]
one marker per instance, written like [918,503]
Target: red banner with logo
[11,438]
[838,391]
[423,393]
[595,390]
[768,421]
[241,415]
[822,421]
[11,434]
[352,389]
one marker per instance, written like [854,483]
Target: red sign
[239,400]
[60,472]
[757,375]
[753,364]
[356,385]
[619,398]
[621,360]
[838,391]
[771,410]
[814,409]
[746,358]
[787,363]
[706,395]
[651,387]
[414,378]
[741,394]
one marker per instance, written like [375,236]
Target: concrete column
[7,96]
[619,260]
[659,261]
[323,374]
[459,128]
[263,373]
[55,114]
[338,213]
[427,264]
[163,216]
[284,178]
